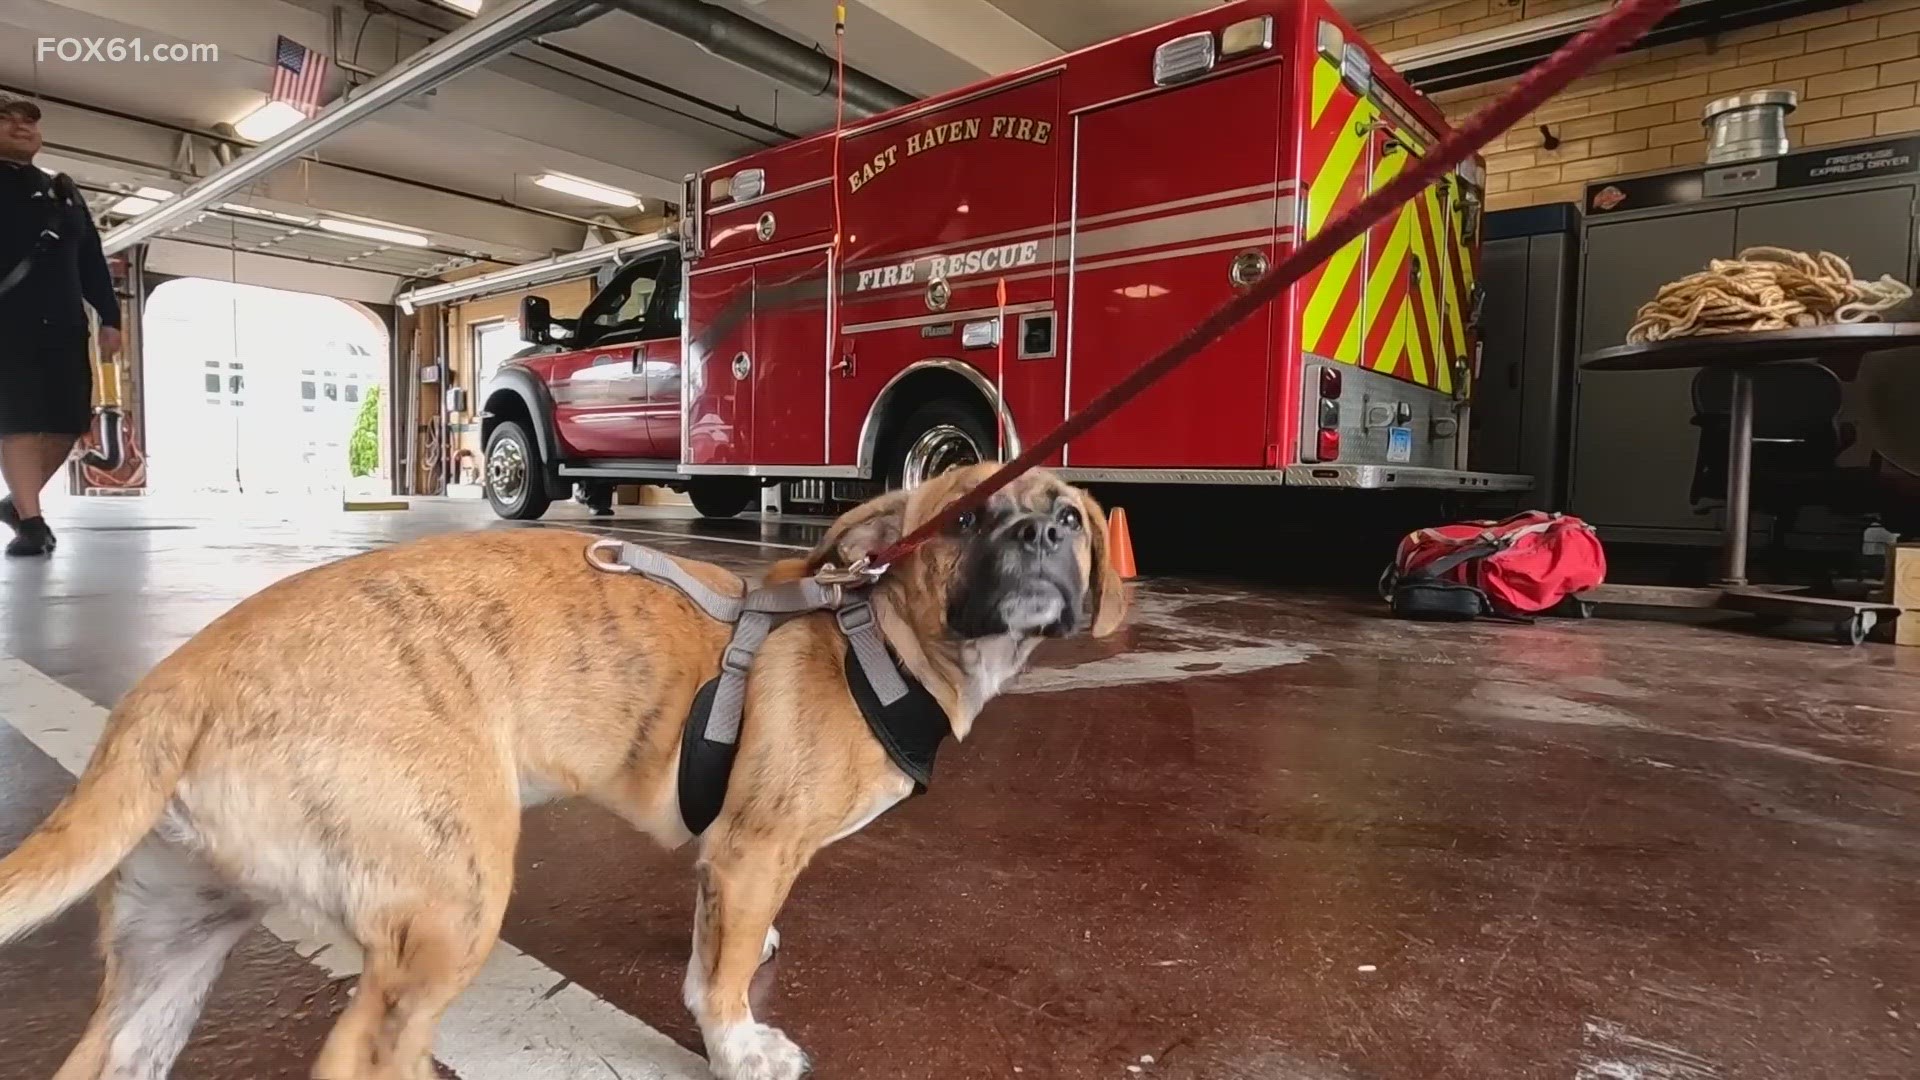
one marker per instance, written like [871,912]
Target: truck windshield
[622,308]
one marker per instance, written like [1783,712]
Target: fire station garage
[1084,539]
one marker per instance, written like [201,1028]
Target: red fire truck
[937,284]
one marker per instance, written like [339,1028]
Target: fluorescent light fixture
[373,232]
[267,215]
[587,189]
[471,7]
[140,201]
[267,121]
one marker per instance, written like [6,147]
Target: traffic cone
[1120,545]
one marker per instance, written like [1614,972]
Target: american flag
[299,74]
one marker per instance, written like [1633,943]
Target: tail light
[1326,419]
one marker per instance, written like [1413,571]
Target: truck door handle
[845,366]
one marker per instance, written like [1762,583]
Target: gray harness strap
[754,616]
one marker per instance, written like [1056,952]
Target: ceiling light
[271,215]
[374,232]
[471,7]
[587,189]
[267,121]
[140,201]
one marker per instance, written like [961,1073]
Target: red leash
[1612,32]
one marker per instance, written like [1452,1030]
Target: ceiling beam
[460,50]
[974,31]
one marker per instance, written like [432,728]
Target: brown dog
[357,742]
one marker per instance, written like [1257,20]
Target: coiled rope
[1766,288]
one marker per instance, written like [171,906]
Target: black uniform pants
[46,385]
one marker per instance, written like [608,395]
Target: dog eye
[1070,518]
[965,522]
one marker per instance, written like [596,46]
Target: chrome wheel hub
[943,447]
[507,471]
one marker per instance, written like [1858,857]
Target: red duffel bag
[1520,567]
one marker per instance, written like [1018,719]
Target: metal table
[1739,354]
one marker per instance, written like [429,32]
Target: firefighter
[50,262]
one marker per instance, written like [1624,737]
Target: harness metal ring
[614,567]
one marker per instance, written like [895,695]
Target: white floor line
[520,1020]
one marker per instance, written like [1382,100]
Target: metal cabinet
[1634,438]
[1522,401]
[1635,442]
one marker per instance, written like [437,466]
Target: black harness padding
[902,715]
[705,764]
[911,729]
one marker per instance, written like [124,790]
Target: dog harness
[902,715]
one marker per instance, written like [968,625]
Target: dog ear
[860,531]
[1104,586]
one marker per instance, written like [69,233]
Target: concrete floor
[1260,834]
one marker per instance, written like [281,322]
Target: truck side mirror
[536,320]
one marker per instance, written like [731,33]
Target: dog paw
[756,1052]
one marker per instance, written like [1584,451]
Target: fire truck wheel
[722,498]
[936,437]
[516,477]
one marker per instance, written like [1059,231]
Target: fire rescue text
[978,261]
[1019,128]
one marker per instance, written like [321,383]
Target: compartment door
[1163,208]
[790,360]
[719,419]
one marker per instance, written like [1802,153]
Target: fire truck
[937,285]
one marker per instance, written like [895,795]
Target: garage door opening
[263,391]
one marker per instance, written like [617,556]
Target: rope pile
[1766,288]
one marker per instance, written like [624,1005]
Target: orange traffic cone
[1120,545]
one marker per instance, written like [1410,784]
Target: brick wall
[1856,69]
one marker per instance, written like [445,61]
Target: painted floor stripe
[511,1024]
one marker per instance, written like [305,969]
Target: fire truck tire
[516,475]
[939,435]
[722,498]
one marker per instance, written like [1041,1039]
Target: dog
[356,743]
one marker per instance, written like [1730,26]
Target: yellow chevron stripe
[1354,341]
[1416,348]
[1326,80]
[1395,344]
[1437,284]
[1333,174]
[1429,306]
[1338,277]
[1328,182]
[1393,261]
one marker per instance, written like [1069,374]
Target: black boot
[34,539]
[9,516]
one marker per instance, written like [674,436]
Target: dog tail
[119,798]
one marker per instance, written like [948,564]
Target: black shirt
[66,272]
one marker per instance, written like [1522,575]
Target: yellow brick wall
[1856,69]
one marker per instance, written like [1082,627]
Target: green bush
[363,449]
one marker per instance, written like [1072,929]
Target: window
[493,343]
[620,311]
[213,383]
[307,390]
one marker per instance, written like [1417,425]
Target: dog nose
[1039,533]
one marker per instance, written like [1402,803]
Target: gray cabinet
[1634,439]
[1522,400]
